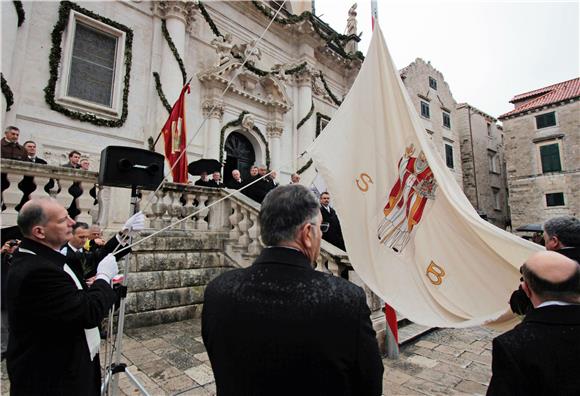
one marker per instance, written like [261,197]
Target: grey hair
[32,214]
[284,210]
[566,228]
[11,128]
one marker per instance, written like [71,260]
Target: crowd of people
[12,149]
[297,322]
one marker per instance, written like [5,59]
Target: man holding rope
[54,338]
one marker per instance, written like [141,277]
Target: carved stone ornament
[248,122]
[183,10]
[274,129]
[223,47]
[213,108]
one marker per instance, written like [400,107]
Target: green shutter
[550,155]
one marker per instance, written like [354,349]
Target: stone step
[411,331]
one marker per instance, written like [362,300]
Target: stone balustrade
[75,189]
[159,283]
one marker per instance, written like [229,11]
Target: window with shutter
[550,157]
[546,120]
[449,155]
[555,199]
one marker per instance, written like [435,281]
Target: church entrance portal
[239,155]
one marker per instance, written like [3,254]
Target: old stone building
[92,74]
[434,103]
[542,148]
[483,162]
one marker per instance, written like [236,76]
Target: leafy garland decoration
[55,57]
[320,117]
[160,92]
[335,40]
[20,12]
[303,121]
[238,122]
[7,93]
[306,166]
[296,69]
[208,19]
[334,98]
[173,49]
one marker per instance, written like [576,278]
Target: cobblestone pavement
[170,359]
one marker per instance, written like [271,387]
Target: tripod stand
[110,383]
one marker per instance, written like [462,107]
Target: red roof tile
[545,96]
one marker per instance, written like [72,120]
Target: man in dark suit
[279,327]
[30,148]
[74,159]
[54,340]
[334,233]
[540,356]
[236,183]
[203,180]
[216,180]
[562,235]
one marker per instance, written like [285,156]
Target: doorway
[239,155]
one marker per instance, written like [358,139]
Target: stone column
[307,130]
[274,131]
[177,15]
[213,110]
[9,33]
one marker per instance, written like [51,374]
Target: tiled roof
[545,96]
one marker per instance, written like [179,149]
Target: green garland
[160,92]
[55,57]
[296,69]
[208,19]
[319,117]
[238,122]
[306,166]
[20,12]
[251,68]
[174,50]
[302,121]
[334,98]
[7,93]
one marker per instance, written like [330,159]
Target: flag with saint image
[410,232]
[174,136]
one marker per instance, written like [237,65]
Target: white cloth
[92,335]
[553,302]
[444,268]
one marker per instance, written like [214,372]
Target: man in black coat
[562,235]
[281,328]
[541,356]
[236,182]
[54,340]
[334,233]
[30,148]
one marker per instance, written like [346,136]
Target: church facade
[83,76]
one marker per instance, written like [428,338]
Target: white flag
[410,232]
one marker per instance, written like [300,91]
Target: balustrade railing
[236,217]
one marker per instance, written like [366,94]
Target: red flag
[174,135]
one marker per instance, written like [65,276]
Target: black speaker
[127,166]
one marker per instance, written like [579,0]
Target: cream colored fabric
[451,269]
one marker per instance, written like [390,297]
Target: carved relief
[213,108]
[183,10]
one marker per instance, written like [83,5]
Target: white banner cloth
[410,232]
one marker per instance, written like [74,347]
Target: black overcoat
[540,356]
[47,349]
[279,327]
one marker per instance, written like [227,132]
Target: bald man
[541,356]
[54,340]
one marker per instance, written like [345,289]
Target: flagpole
[152,148]
[392,328]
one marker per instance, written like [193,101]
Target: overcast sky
[487,51]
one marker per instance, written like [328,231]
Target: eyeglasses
[324,227]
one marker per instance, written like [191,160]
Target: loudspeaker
[127,166]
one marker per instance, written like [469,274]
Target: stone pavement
[170,359]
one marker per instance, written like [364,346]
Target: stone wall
[416,80]
[480,181]
[527,184]
[168,276]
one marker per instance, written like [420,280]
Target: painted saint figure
[407,200]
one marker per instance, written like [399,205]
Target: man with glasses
[279,327]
